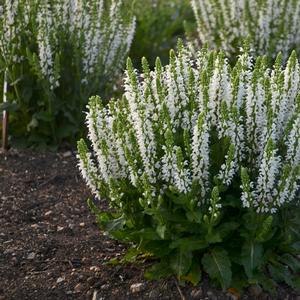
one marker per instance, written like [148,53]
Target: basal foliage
[56,55]
[200,163]
[270,26]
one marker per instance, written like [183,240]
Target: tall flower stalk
[270,26]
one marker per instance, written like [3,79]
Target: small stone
[60,228]
[14,260]
[7,242]
[60,279]
[71,226]
[197,293]
[137,287]
[95,294]
[48,213]
[82,224]
[67,154]
[8,251]
[31,256]
[232,296]
[211,295]
[94,268]
[104,286]
[89,293]
[78,287]
[255,290]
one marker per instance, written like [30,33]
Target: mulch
[51,247]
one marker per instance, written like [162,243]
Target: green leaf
[266,231]
[194,275]
[43,116]
[161,230]
[158,248]
[281,273]
[34,123]
[9,106]
[159,270]
[250,221]
[180,262]
[232,201]
[145,234]
[113,262]
[226,228]
[189,244]
[194,216]
[295,248]
[114,225]
[213,237]
[66,130]
[295,283]
[291,261]
[267,283]
[251,257]
[93,207]
[131,255]
[218,266]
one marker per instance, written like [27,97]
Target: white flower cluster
[10,28]
[271,25]
[96,33]
[45,23]
[193,124]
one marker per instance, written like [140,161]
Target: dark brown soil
[51,248]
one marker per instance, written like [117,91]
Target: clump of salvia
[201,163]
[270,26]
[98,33]
[57,54]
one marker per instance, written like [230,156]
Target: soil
[51,247]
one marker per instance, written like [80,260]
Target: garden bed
[51,247]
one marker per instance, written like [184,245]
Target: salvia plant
[56,55]
[200,163]
[270,26]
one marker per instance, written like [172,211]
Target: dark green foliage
[159,25]
[235,254]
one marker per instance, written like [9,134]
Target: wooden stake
[5,117]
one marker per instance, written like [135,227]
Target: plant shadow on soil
[51,247]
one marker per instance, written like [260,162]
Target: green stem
[52,117]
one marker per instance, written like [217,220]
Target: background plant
[270,26]
[159,25]
[200,163]
[57,54]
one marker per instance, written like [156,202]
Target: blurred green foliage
[159,24]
